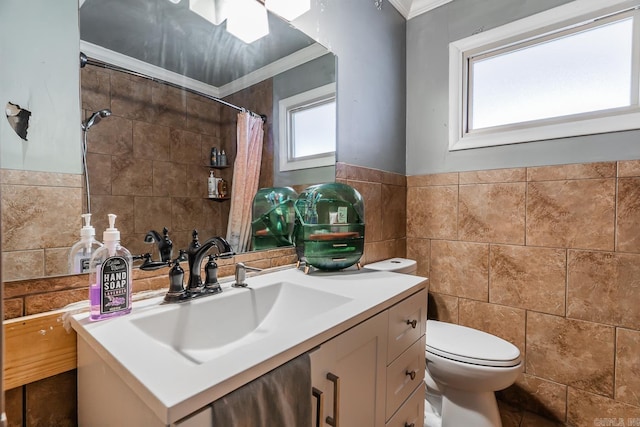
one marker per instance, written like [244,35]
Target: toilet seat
[469,345]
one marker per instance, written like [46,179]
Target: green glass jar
[329,233]
[273,217]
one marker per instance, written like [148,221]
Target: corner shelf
[218,167]
[219,199]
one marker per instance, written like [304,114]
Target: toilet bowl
[468,366]
[465,367]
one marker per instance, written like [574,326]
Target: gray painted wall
[428,38]
[40,72]
[370,45]
[313,74]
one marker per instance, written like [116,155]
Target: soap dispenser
[81,252]
[110,281]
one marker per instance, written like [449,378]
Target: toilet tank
[397,265]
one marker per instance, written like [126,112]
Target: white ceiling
[411,8]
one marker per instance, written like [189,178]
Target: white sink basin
[178,358]
[205,328]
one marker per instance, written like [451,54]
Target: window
[573,70]
[308,129]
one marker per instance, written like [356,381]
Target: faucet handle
[176,284]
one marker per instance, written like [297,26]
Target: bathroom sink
[205,328]
[178,358]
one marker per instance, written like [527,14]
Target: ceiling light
[288,9]
[214,11]
[247,20]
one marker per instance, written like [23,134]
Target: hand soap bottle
[81,252]
[110,282]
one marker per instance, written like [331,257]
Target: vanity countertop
[174,384]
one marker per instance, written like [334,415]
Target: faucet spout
[196,253]
[165,245]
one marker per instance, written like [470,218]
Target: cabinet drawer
[334,247]
[407,323]
[411,413]
[404,375]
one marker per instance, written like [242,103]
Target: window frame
[572,17]
[308,99]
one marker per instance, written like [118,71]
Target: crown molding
[281,65]
[135,65]
[402,6]
[288,62]
[419,7]
[412,8]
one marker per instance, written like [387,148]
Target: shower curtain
[246,174]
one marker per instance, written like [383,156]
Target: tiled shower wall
[149,160]
[547,258]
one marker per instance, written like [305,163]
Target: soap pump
[81,251]
[110,282]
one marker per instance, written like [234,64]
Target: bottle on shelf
[222,188]
[212,185]
[214,156]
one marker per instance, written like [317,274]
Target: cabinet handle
[413,323]
[339,245]
[319,405]
[411,374]
[335,420]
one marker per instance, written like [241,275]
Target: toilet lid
[397,265]
[470,345]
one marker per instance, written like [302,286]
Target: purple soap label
[114,294]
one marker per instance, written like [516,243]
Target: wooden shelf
[219,199]
[218,167]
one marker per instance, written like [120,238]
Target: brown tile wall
[547,258]
[152,154]
[384,195]
[40,222]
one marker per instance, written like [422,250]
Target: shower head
[95,118]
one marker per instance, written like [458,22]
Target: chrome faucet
[196,253]
[241,275]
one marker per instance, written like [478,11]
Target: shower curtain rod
[84,60]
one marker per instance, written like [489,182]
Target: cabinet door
[352,367]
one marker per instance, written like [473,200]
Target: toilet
[465,367]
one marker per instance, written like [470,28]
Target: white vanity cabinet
[350,373]
[372,374]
